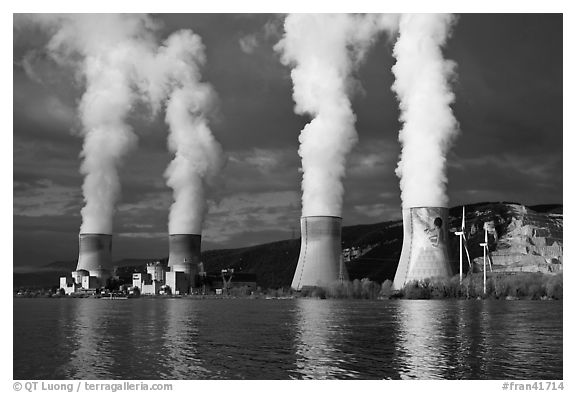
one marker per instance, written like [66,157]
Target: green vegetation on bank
[498,286]
[356,289]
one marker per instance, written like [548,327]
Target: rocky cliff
[520,238]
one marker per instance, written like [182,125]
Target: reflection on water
[319,329]
[181,338]
[419,339]
[286,339]
[448,340]
[479,340]
[91,357]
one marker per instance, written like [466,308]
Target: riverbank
[532,286]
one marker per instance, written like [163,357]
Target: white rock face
[532,242]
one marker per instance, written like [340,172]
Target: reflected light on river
[318,330]
[180,350]
[91,357]
[420,330]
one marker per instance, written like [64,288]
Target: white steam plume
[324,50]
[173,76]
[101,48]
[423,89]
[120,62]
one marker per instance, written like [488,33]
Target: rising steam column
[424,251]
[423,88]
[319,263]
[323,51]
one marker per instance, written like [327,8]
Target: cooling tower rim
[320,216]
[94,234]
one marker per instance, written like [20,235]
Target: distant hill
[275,263]
[523,239]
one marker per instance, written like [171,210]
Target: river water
[160,338]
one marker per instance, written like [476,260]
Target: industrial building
[176,283]
[95,266]
[184,273]
[154,280]
[69,285]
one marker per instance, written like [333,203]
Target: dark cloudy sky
[508,103]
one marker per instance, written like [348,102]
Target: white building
[156,271]
[68,285]
[146,283]
[90,282]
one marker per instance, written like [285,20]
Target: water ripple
[151,338]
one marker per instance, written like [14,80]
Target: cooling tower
[95,254]
[184,253]
[320,262]
[424,250]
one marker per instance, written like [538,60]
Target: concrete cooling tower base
[320,261]
[424,250]
[185,254]
[95,254]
